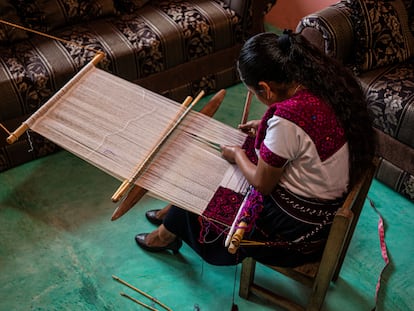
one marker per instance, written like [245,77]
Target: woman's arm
[263,176]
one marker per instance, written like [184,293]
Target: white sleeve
[284,138]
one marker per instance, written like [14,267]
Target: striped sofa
[175,48]
[374,38]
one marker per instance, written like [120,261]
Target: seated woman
[311,146]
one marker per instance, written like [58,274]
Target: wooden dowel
[233,240]
[246,109]
[136,192]
[17,133]
[97,58]
[49,36]
[141,292]
[14,136]
[138,302]
[5,129]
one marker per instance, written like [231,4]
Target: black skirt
[293,228]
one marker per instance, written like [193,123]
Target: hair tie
[284,40]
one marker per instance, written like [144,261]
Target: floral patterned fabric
[390,100]
[175,48]
[129,6]
[383,59]
[382,35]
[48,15]
[9,34]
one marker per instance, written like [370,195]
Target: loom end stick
[134,195]
[97,58]
[13,137]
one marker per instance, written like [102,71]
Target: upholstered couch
[175,48]
[375,39]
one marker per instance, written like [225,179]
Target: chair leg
[247,277]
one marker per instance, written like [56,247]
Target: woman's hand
[250,127]
[261,176]
[230,152]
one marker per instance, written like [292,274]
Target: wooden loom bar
[127,183]
[136,192]
[14,136]
[234,236]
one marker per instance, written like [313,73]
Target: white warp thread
[113,124]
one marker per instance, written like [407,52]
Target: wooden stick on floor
[138,302]
[141,292]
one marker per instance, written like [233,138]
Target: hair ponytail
[284,42]
[291,58]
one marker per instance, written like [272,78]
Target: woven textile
[114,125]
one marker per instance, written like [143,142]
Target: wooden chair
[317,275]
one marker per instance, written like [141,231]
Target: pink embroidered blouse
[303,134]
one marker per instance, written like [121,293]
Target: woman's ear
[265,90]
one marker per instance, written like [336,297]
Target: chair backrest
[318,275]
[340,236]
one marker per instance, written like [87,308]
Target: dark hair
[291,58]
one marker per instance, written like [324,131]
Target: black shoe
[174,246]
[152,217]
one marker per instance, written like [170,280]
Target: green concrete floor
[59,249]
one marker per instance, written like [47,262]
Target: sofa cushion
[159,36]
[382,33]
[9,34]
[47,15]
[410,9]
[390,99]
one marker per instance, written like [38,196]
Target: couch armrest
[331,30]
[241,7]
[252,13]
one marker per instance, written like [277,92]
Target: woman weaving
[311,146]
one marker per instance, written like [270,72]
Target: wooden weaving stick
[234,236]
[184,109]
[246,107]
[136,192]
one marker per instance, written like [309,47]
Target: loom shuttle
[134,195]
